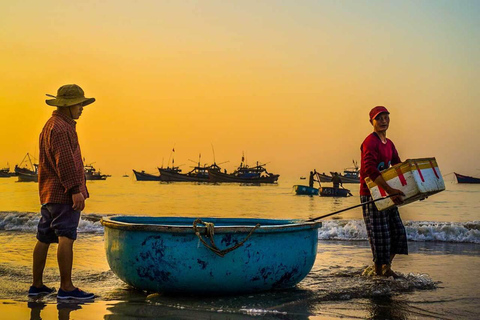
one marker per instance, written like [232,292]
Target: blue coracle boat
[211,255]
[305,190]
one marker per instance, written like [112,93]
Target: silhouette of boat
[466,179]
[350,175]
[197,174]
[25,172]
[244,174]
[334,192]
[5,173]
[143,176]
[305,190]
[92,174]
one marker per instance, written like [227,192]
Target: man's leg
[65,262]
[39,259]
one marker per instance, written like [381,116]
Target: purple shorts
[58,220]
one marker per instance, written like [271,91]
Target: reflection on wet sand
[64,308]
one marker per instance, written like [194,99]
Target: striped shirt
[60,168]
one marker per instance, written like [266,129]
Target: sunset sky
[286,82]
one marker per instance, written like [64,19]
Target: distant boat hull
[345,179]
[27,177]
[96,176]
[217,176]
[334,192]
[142,176]
[324,177]
[5,173]
[466,179]
[166,175]
[305,190]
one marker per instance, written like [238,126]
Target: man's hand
[78,201]
[396,195]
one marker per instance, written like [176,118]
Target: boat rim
[296,225]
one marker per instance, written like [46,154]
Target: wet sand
[433,285]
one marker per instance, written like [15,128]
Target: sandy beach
[438,280]
[432,286]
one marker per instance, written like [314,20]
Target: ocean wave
[467,232]
[347,230]
[28,221]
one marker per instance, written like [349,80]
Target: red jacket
[376,156]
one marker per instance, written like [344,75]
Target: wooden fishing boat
[197,174]
[466,179]
[92,174]
[5,173]
[27,171]
[211,255]
[305,190]
[350,175]
[218,176]
[143,176]
[27,177]
[244,174]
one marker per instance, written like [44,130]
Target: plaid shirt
[60,168]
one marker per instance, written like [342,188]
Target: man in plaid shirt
[62,189]
[385,229]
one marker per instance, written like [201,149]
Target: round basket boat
[210,255]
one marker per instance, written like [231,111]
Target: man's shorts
[58,220]
[385,231]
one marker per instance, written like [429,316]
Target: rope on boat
[209,232]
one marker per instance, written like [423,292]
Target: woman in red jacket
[385,229]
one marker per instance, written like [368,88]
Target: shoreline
[433,286]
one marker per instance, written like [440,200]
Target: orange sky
[289,83]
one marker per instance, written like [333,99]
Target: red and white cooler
[417,178]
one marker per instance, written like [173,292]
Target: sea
[439,279]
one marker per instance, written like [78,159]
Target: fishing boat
[92,174]
[209,255]
[5,173]
[305,190]
[197,174]
[143,176]
[466,179]
[334,192]
[322,191]
[244,174]
[350,175]
[27,171]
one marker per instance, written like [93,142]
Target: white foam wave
[443,231]
[342,230]
[468,232]
[28,221]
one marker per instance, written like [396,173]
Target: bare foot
[388,272]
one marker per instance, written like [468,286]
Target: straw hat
[69,95]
